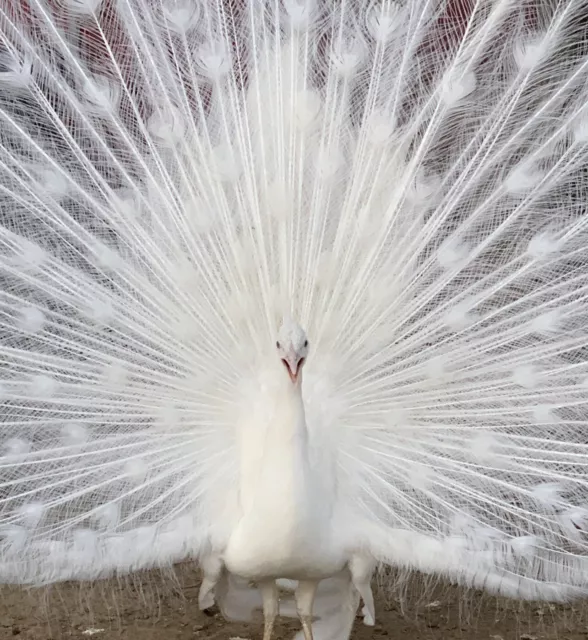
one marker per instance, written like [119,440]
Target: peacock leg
[361,569]
[305,593]
[212,568]
[269,596]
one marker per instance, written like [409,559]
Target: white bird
[292,524]
[179,179]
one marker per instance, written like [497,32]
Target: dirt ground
[152,606]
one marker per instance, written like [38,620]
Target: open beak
[293,364]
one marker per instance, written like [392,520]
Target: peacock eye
[278,344]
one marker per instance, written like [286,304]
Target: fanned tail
[409,179]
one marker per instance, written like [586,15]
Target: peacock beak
[293,363]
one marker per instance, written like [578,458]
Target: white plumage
[405,179]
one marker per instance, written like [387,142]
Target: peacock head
[292,346]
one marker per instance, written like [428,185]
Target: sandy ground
[155,607]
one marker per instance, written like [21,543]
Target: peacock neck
[288,427]
[285,448]
[273,440]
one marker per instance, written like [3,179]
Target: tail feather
[516,568]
